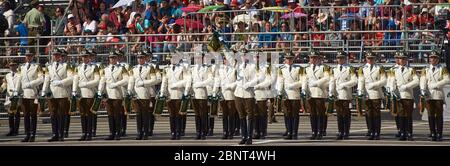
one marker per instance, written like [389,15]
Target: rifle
[14,105]
[330,105]
[359,104]
[422,102]
[303,97]
[42,102]
[184,104]
[97,102]
[159,105]
[73,104]
[214,105]
[388,98]
[395,100]
[127,103]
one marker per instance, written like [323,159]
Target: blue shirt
[23,32]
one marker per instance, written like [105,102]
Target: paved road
[161,136]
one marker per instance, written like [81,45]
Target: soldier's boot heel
[27,138]
[32,138]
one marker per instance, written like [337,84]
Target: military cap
[434,53]
[289,55]
[112,54]
[341,54]
[370,54]
[140,54]
[28,52]
[400,54]
[314,53]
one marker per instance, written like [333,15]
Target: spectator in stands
[239,39]
[253,39]
[116,17]
[22,31]
[60,24]
[333,36]
[288,37]
[266,40]
[10,17]
[379,36]
[73,28]
[165,9]
[316,36]
[102,10]
[89,28]
[427,39]
[35,21]
[176,9]
[79,9]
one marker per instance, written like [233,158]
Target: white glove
[82,84]
[129,92]
[312,84]
[74,93]
[340,87]
[360,93]
[26,85]
[214,95]
[303,93]
[330,94]
[432,86]
[402,88]
[56,83]
[257,87]
[422,92]
[15,94]
[370,86]
[140,83]
[99,93]
[112,86]
[42,93]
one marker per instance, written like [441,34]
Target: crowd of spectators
[317,21]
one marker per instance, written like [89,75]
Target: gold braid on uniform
[360,72]
[444,71]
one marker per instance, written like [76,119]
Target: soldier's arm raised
[353,79]
[255,80]
[304,79]
[76,80]
[94,83]
[46,84]
[153,78]
[101,84]
[70,73]
[164,80]
[415,80]
[331,83]
[445,79]
[125,76]
[423,80]
[40,79]
[382,81]
[131,81]
[390,83]
[326,77]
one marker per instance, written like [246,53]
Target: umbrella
[294,14]
[276,9]
[244,18]
[210,8]
[189,23]
[350,16]
[122,3]
[190,9]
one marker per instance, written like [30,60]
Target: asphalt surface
[161,135]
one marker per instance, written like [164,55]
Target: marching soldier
[402,81]
[157,72]
[289,82]
[388,83]
[85,84]
[99,65]
[201,77]
[262,94]
[245,98]
[211,95]
[225,81]
[122,62]
[371,78]
[315,86]
[174,84]
[113,78]
[58,82]
[11,84]
[342,80]
[432,81]
[32,76]
[142,84]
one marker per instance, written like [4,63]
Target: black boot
[377,127]
[257,128]
[313,120]
[11,125]
[180,124]
[94,126]
[123,126]
[231,126]
[55,134]
[173,134]
[33,126]
[324,125]
[88,128]
[264,127]
[27,138]
[27,128]
[211,126]
[286,125]
[397,123]
[439,127]
[61,126]
[83,129]
[183,125]
[401,127]
[369,126]
[409,128]
[346,126]
[289,128]
[152,124]
[204,124]
[112,130]
[139,119]
[319,123]
[198,127]
[432,125]
[340,123]
[66,126]
[16,123]
[244,134]
[295,123]
[225,127]
[237,125]
[250,126]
